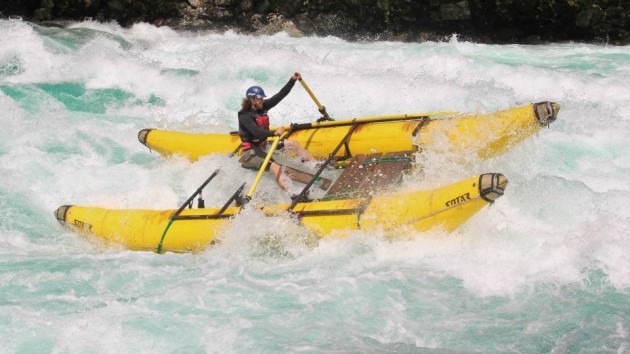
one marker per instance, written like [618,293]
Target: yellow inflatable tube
[195,229]
[486,135]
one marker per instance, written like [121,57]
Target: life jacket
[262,120]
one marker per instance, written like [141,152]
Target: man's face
[257,103]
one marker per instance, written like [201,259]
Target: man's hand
[296,76]
[279,131]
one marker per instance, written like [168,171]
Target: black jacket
[248,130]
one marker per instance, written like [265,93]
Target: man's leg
[296,148]
[277,170]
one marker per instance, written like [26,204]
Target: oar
[321,108]
[263,167]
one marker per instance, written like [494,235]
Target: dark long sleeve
[275,99]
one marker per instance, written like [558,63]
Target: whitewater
[546,268]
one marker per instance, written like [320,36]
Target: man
[253,129]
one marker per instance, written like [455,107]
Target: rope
[393,158]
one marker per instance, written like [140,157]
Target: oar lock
[325,117]
[200,202]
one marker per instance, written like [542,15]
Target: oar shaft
[310,93]
[263,167]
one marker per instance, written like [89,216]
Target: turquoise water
[544,269]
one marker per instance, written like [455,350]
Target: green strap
[168,226]
[393,158]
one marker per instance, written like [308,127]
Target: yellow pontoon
[486,135]
[187,230]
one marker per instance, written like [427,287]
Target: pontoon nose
[546,112]
[492,186]
[142,136]
[61,213]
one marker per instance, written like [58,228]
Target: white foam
[565,209]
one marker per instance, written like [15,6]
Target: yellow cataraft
[486,135]
[355,201]
[189,230]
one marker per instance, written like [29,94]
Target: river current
[546,268]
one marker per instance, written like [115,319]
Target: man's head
[256,94]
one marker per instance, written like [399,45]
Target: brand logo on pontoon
[82,225]
[462,198]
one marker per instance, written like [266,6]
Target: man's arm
[275,99]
